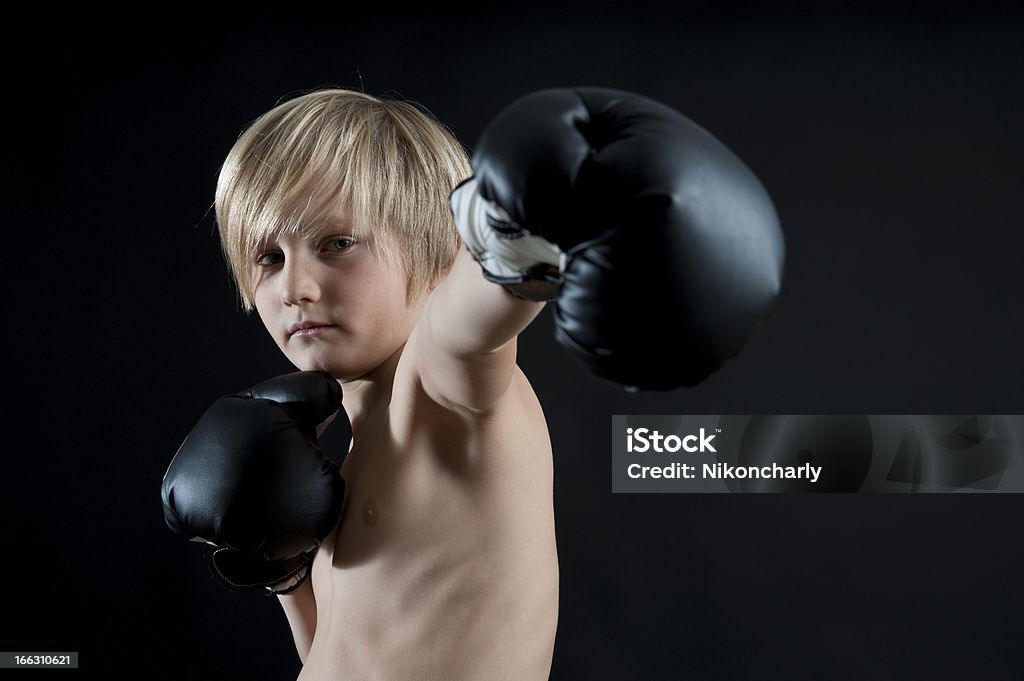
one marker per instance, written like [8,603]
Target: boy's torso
[443,565]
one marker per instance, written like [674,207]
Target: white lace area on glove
[507,252]
[290,582]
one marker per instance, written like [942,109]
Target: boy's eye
[340,243]
[263,259]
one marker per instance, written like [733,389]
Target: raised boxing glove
[661,249]
[250,480]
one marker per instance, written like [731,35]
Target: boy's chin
[325,367]
[342,372]
[345,365]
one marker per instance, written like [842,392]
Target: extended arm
[619,209]
[466,348]
[661,249]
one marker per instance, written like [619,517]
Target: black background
[890,142]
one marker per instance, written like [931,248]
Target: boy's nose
[300,283]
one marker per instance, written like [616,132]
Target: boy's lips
[308,328]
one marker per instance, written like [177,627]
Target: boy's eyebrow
[257,247]
[338,223]
[333,227]
[325,225]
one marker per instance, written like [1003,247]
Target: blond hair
[387,163]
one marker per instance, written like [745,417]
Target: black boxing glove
[250,480]
[661,249]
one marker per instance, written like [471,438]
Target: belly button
[370,513]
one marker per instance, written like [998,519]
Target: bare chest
[419,563]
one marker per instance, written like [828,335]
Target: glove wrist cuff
[528,266]
[290,584]
[237,572]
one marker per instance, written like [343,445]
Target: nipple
[370,513]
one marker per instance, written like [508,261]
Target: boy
[333,210]
[336,218]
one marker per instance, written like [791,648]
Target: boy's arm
[300,609]
[467,344]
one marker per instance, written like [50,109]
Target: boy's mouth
[309,329]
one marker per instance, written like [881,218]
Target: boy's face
[335,280]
